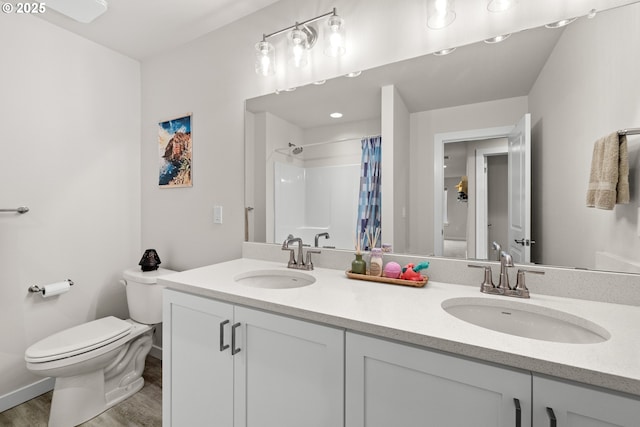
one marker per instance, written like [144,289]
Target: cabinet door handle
[518,412]
[552,417]
[223,346]
[234,350]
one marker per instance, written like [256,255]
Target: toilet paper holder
[40,289]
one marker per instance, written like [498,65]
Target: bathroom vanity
[340,352]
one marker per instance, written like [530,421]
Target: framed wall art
[175,150]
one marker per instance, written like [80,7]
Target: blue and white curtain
[369,199]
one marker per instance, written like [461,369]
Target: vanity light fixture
[561,23]
[498,5]
[497,39]
[335,115]
[301,38]
[444,52]
[440,13]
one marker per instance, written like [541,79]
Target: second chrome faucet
[504,288]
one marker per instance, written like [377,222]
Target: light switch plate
[217,214]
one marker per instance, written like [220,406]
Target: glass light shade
[498,5]
[298,52]
[440,13]
[265,59]
[335,37]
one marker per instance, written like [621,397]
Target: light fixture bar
[299,24]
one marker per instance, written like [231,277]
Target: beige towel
[609,179]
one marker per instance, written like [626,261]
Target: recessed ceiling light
[320,82]
[444,52]
[497,39]
[291,89]
[353,74]
[592,14]
[335,115]
[561,23]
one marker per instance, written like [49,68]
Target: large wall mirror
[576,84]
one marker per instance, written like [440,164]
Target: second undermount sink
[526,320]
[275,279]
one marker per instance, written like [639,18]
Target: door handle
[234,349]
[223,347]
[552,417]
[525,242]
[518,412]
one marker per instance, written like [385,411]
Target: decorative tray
[388,280]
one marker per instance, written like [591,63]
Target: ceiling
[142,28]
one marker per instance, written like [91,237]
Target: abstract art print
[175,151]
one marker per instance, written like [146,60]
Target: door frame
[439,140]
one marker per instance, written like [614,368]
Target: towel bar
[631,131]
[21,210]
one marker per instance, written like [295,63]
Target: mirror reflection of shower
[294,149]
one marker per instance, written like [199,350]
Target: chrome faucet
[496,247]
[300,263]
[318,236]
[520,290]
[505,262]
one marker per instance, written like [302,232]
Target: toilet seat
[78,339]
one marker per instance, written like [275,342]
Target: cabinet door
[288,373]
[580,406]
[391,384]
[197,376]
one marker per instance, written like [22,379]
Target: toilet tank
[144,295]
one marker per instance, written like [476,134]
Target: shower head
[295,150]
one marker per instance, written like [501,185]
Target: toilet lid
[79,339]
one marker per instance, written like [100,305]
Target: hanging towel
[609,178]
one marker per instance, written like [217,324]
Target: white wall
[424,125]
[70,114]
[596,69]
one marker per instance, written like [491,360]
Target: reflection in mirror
[578,83]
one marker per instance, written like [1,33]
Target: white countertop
[415,315]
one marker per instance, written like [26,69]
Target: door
[197,375]
[573,405]
[519,197]
[288,373]
[392,384]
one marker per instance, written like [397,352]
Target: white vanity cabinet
[231,366]
[574,405]
[392,384]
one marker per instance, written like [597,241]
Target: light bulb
[498,5]
[299,53]
[265,59]
[335,37]
[440,13]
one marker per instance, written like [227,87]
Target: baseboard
[25,393]
[156,352]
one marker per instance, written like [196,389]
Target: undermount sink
[526,320]
[275,279]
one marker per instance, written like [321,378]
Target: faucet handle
[520,282]
[292,256]
[309,264]
[487,284]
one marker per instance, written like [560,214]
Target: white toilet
[99,363]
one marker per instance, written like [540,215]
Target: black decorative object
[150,260]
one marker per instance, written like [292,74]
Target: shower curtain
[369,199]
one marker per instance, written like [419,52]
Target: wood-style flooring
[143,409]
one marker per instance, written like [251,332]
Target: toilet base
[82,397]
